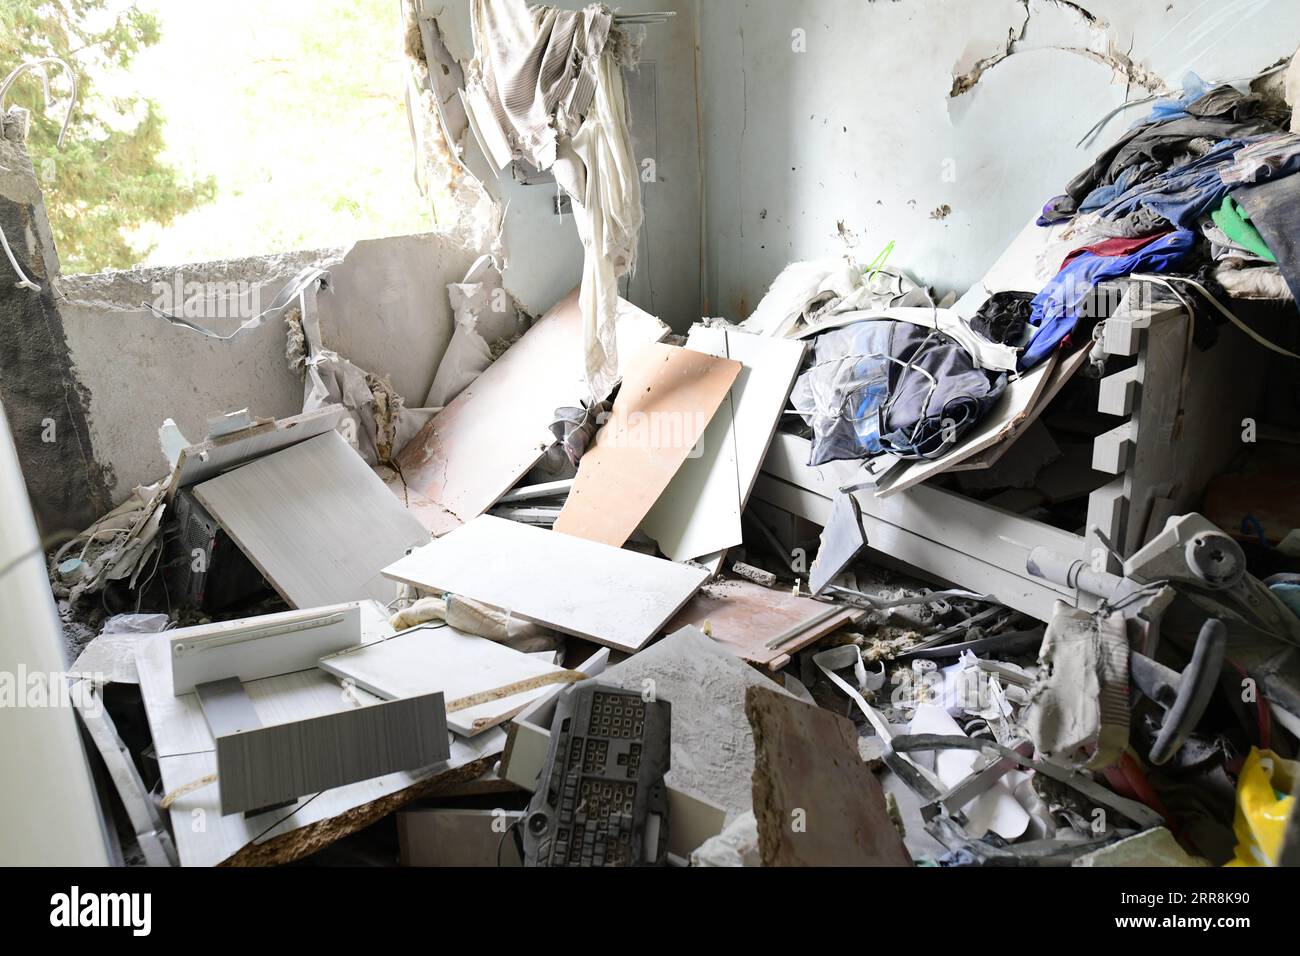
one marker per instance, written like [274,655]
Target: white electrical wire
[24,282]
[1165,281]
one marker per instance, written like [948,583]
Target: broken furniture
[186,751]
[762,625]
[668,398]
[478,447]
[484,683]
[699,512]
[1170,389]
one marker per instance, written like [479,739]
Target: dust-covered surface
[712,746]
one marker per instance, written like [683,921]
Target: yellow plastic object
[1263,807]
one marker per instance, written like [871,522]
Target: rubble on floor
[649,654]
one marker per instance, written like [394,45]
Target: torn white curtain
[544,71]
[608,220]
[533,63]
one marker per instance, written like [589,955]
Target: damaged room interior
[675,434]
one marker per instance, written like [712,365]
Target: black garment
[1274,208]
[1222,113]
[1002,318]
[935,400]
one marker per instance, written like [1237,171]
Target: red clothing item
[1115,247]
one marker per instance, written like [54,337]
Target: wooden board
[668,398]
[479,446]
[266,766]
[212,457]
[608,595]
[807,770]
[743,617]
[316,522]
[440,658]
[699,512]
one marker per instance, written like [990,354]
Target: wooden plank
[668,399]
[608,595]
[493,432]
[699,512]
[227,707]
[1112,450]
[743,617]
[316,522]
[264,646]
[440,658]
[436,519]
[213,456]
[807,767]
[266,766]
[1116,393]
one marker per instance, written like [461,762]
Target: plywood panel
[743,617]
[316,521]
[699,512]
[668,398]
[480,445]
[613,597]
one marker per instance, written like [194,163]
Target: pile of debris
[544,620]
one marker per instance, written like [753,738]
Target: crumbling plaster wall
[939,125]
[386,310]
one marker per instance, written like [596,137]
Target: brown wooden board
[668,397]
[743,617]
[816,801]
[478,447]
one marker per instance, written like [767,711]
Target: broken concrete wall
[834,125]
[43,397]
[387,312]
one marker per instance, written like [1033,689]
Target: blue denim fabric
[1056,308]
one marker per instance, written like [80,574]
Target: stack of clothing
[1205,178]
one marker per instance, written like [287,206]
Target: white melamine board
[426,659]
[317,522]
[187,752]
[211,457]
[604,594]
[263,646]
[699,512]
[205,837]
